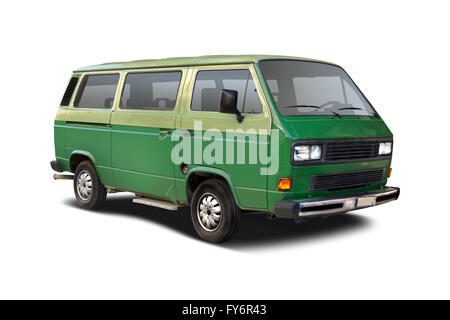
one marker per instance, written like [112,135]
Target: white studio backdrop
[396,51]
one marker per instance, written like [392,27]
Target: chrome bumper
[307,208]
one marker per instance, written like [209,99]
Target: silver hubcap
[84,185]
[209,212]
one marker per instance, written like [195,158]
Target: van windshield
[313,88]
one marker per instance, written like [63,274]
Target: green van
[225,135]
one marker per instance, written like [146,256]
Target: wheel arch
[199,174]
[78,156]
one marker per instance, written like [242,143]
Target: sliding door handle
[164,133]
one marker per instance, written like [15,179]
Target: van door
[88,118]
[239,155]
[142,123]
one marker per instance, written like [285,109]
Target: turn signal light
[284,184]
[389,172]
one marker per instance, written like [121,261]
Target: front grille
[347,180]
[350,150]
[343,150]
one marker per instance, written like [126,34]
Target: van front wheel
[88,189]
[214,213]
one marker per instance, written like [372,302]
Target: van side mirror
[228,103]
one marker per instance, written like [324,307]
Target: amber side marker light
[389,172]
[284,184]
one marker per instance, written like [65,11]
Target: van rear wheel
[214,213]
[88,189]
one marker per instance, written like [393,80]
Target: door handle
[163,134]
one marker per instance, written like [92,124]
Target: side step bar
[157,203]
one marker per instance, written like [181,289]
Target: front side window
[209,84]
[312,88]
[97,91]
[151,91]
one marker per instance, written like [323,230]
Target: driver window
[208,86]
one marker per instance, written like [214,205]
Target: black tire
[97,192]
[230,214]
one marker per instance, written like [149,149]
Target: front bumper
[295,209]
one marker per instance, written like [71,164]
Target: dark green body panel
[91,140]
[327,127]
[141,161]
[250,186]
[59,140]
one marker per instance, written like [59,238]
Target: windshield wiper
[350,108]
[315,107]
[302,106]
[355,108]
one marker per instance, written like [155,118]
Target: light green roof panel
[187,61]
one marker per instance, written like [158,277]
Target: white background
[396,51]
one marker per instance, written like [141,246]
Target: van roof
[188,61]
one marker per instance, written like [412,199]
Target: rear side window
[69,91]
[151,91]
[97,91]
[209,84]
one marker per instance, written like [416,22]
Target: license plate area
[366,202]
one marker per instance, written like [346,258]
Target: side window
[208,86]
[151,91]
[97,91]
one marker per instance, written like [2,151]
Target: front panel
[208,129]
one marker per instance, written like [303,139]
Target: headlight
[316,152]
[304,153]
[385,148]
